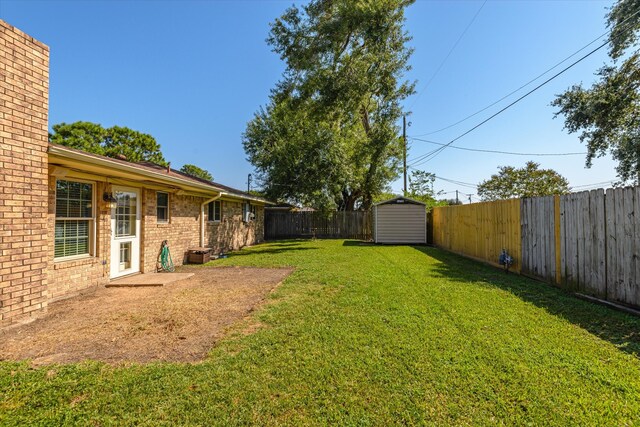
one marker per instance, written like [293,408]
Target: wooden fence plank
[627,245]
[636,246]
[346,225]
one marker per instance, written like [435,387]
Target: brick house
[72,221]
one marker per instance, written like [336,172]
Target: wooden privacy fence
[332,225]
[587,242]
[479,230]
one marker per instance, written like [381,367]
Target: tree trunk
[349,200]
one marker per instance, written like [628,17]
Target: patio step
[148,279]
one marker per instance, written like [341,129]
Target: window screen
[162,207]
[215,210]
[74,218]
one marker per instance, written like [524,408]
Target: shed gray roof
[400,201]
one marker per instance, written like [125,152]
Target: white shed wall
[400,223]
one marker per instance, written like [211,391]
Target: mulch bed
[179,322]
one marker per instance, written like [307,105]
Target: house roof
[145,171]
[399,201]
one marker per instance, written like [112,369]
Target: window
[74,219]
[162,207]
[215,211]
[126,213]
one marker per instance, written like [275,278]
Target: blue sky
[192,73]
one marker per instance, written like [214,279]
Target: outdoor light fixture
[111,201]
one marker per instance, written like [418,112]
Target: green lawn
[368,335]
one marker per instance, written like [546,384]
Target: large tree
[197,172]
[329,135]
[607,115]
[529,181]
[114,142]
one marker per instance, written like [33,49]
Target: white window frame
[211,218]
[92,221]
[163,221]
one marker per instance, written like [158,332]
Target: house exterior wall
[30,275]
[24,102]
[182,231]
[232,233]
[69,278]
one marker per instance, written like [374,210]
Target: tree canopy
[529,181]
[194,170]
[112,142]
[607,114]
[421,188]
[329,135]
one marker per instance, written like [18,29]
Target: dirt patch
[178,322]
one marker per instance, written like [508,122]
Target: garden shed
[400,220]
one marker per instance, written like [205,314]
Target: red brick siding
[24,103]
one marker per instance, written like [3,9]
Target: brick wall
[232,233]
[182,231]
[24,99]
[69,278]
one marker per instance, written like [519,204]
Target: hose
[165,258]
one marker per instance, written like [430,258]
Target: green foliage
[421,188]
[194,170]
[386,195]
[328,137]
[528,181]
[365,335]
[111,142]
[449,202]
[606,115]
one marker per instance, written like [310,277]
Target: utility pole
[457,200]
[249,183]
[404,140]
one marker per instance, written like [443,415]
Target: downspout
[213,199]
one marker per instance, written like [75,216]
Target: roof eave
[75,155]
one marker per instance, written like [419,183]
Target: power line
[526,84]
[425,159]
[460,183]
[453,181]
[593,185]
[496,151]
[433,76]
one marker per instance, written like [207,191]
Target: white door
[125,232]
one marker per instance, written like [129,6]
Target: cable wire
[526,84]
[425,159]
[433,76]
[496,151]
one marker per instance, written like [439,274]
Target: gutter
[213,199]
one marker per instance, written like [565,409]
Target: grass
[368,335]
